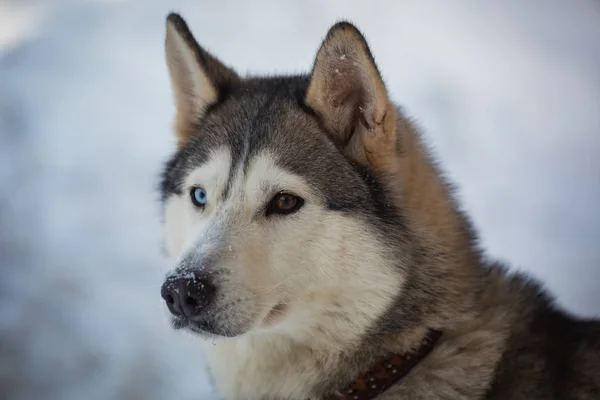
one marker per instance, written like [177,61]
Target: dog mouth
[201,327]
[209,329]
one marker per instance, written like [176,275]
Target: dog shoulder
[549,353]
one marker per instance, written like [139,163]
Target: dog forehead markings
[264,176]
[227,180]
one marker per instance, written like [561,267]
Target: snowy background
[508,92]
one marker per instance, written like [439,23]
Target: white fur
[328,268]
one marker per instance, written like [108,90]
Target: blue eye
[198,196]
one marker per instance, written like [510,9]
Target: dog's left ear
[348,93]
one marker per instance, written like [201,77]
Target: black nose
[187,294]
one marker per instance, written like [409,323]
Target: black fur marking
[380,205]
[170,177]
[270,114]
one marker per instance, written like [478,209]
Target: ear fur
[348,93]
[198,79]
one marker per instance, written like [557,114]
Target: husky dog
[320,253]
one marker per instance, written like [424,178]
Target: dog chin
[206,329]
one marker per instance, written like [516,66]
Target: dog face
[275,209]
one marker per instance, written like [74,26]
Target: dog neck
[387,372]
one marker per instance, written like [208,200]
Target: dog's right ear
[198,79]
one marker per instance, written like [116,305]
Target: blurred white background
[508,93]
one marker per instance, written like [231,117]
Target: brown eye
[284,203]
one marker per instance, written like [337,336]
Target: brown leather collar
[387,372]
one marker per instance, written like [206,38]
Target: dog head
[278,205]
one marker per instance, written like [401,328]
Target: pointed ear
[198,79]
[348,93]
